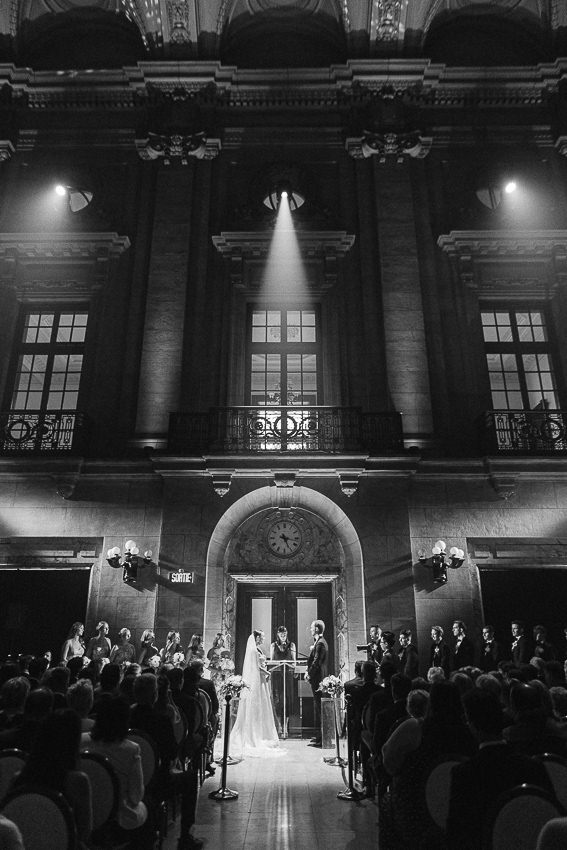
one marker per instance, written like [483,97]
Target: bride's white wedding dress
[254,732]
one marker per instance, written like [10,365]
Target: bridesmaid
[74,646]
[99,646]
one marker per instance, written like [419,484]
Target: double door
[266,607]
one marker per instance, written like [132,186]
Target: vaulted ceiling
[50,34]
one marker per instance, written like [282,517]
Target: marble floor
[284,803]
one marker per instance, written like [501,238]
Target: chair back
[519,816]
[148,753]
[44,818]
[105,787]
[11,762]
[556,768]
[206,704]
[438,788]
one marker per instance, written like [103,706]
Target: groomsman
[440,652]
[407,656]
[521,648]
[463,649]
[490,653]
[374,650]
[316,672]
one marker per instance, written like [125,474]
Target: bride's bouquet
[332,686]
[232,686]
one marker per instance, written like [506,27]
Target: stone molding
[6,150]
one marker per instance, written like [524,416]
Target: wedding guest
[542,648]
[532,731]
[148,649]
[374,650]
[13,695]
[316,672]
[53,763]
[490,653]
[195,650]
[387,642]
[357,678]
[57,679]
[462,654]
[123,652]
[107,687]
[440,653]
[109,738]
[382,697]
[74,645]
[408,659]
[478,782]
[39,704]
[80,698]
[10,835]
[521,649]
[172,649]
[405,737]
[360,697]
[99,645]
[389,717]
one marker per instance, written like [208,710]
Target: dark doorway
[536,596]
[38,607]
[295,606]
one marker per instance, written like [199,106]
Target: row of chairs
[518,816]
[45,818]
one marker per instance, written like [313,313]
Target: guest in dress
[542,647]
[440,652]
[148,649]
[99,646]
[53,763]
[123,652]
[195,650]
[283,649]
[172,648]
[74,645]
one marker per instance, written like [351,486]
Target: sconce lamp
[130,562]
[440,560]
[78,198]
[273,198]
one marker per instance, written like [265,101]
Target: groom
[316,672]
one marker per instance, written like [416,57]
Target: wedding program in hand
[254,732]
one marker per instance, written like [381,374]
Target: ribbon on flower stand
[224,793]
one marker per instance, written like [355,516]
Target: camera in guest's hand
[365,647]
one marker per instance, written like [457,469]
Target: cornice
[256,244]
[493,243]
[61,246]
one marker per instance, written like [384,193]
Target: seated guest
[39,705]
[144,717]
[490,651]
[406,737]
[107,687]
[478,782]
[53,764]
[57,680]
[436,674]
[386,721]
[194,681]
[75,665]
[440,652]
[532,732]
[13,695]
[80,698]
[10,835]
[554,674]
[408,659]
[109,738]
[361,694]
[382,696]
[357,679]
[188,706]
[559,700]
[37,668]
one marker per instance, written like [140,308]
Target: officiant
[283,649]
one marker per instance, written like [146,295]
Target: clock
[284,538]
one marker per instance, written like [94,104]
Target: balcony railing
[525,431]
[58,431]
[328,430]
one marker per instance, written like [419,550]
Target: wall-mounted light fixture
[274,197]
[130,562]
[440,560]
[78,199]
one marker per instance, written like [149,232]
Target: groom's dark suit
[316,671]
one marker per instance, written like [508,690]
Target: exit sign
[182,577]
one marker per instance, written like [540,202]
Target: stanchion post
[224,793]
[350,792]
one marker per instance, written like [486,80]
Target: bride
[254,732]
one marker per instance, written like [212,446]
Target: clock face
[284,538]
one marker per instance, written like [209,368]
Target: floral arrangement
[332,686]
[232,686]
[226,665]
[178,659]
[154,662]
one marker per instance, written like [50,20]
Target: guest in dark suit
[357,680]
[408,659]
[462,654]
[440,652]
[521,650]
[382,697]
[490,653]
[374,651]
[316,672]
[477,783]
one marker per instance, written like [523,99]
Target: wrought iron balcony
[525,431]
[330,430]
[57,431]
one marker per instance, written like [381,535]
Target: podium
[284,666]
